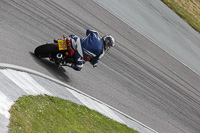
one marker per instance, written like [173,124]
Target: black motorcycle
[58,52]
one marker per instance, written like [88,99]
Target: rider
[90,48]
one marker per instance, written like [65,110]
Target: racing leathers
[89,48]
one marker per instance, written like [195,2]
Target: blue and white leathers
[90,46]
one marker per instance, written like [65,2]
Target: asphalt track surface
[136,77]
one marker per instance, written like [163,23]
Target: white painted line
[96,106]
[25,82]
[5,105]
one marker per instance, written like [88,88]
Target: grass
[189,10]
[55,115]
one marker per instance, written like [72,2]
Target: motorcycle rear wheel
[43,51]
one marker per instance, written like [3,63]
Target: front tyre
[45,50]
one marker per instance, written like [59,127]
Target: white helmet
[109,42]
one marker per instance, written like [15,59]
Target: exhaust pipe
[59,56]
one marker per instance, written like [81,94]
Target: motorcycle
[57,52]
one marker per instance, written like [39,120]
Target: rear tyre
[45,50]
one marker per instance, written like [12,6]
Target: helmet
[109,42]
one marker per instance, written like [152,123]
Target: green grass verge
[52,114]
[189,10]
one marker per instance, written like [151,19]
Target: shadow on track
[60,73]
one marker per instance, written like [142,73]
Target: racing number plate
[62,45]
